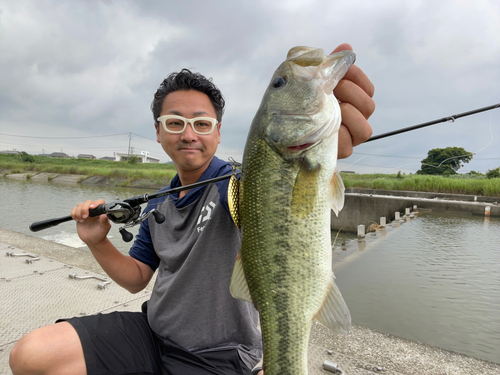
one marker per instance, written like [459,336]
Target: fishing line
[491,132]
[470,153]
[425,124]
[357,161]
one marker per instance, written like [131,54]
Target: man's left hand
[354,92]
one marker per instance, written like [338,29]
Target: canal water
[435,279]
[24,202]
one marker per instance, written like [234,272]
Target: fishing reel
[128,211]
[121,212]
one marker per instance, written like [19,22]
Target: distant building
[15,152]
[47,155]
[60,155]
[347,172]
[110,158]
[143,157]
[85,156]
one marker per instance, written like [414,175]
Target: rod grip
[44,224]
[99,210]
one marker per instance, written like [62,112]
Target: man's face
[189,151]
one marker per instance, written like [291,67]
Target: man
[191,325]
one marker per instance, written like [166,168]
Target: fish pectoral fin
[334,313]
[239,287]
[337,193]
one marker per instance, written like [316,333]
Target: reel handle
[159,218]
[126,236]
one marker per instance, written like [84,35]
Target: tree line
[447,161]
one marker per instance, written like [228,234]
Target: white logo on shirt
[205,217]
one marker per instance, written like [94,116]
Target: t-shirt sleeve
[143,249]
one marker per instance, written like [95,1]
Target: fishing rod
[444,119]
[128,211]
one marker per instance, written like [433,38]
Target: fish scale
[272,274]
[285,194]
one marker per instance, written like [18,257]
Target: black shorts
[123,343]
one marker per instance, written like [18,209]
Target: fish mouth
[302,147]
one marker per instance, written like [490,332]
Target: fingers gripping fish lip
[308,63]
[301,107]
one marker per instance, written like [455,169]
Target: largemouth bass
[287,188]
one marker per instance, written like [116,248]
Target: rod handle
[44,224]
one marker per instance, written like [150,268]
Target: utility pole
[129,139]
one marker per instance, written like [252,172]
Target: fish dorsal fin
[334,313]
[233,199]
[239,287]
[337,193]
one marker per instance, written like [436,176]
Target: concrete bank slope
[73,179]
[367,208]
[38,291]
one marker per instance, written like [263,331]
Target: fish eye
[279,82]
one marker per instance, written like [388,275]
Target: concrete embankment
[364,206]
[37,293]
[85,180]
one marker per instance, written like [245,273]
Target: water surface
[436,279]
[23,202]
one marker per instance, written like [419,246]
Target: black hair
[186,80]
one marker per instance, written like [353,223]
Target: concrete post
[361,231]
[407,211]
[382,221]
[397,216]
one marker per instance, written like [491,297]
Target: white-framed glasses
[177,124]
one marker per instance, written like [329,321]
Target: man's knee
[23,356]
[46,349]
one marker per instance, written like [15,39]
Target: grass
[104,168]
[163,173]
[457,184]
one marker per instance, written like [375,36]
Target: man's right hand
[91,230]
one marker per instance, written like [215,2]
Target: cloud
[89,68]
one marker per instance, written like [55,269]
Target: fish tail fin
[337,193]
[334,313]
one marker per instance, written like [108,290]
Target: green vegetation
[130,171]
[472,183]
[493,173]
[444,161]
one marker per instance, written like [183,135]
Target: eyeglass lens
[177,125]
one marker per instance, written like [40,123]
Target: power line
[151,139]
[95,136]
[388,156]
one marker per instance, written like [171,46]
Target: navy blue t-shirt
[143,249]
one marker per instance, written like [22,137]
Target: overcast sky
[90,69]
